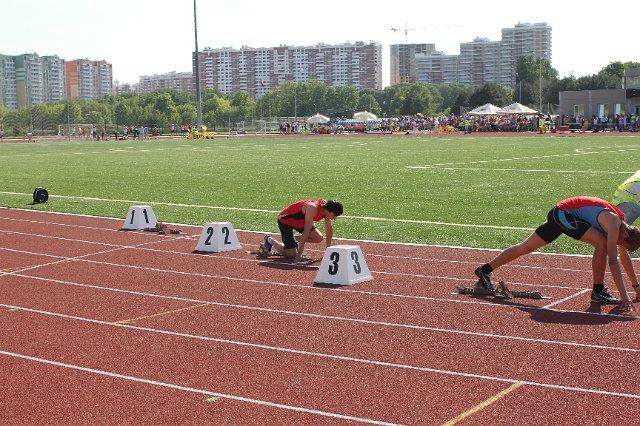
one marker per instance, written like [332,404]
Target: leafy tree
[490,93]
[242,105]
[187,114]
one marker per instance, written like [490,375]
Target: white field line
[327,356]
[195,236]
[541,157]
[193,390]
[397,243]
[274,212]
[557,302]
[222,256]
[479,169]
[333,317]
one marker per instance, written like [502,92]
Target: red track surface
[109,326]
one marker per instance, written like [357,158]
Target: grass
[500,181]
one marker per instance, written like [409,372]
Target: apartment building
[55,86]
[522,40]
[437,68]
[480,61]
[29,71]
[8,89]
[88,79]
[258,70]
[170,81]
[403,59]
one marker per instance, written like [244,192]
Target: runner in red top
[593,221]
[301,217]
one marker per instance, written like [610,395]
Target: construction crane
[406,29]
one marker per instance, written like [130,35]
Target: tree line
[535,77]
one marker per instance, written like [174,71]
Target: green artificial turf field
[480,191]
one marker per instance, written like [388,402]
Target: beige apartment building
[258,70]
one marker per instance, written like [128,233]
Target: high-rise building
[437,68]
[169,81]
[523,40]
[257,70]
[122,88]
[88,79]
[403,61]
[480,61]
[29,79]
[55,87]
[8,89]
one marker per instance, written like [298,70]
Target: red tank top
[575,203]
[294,217]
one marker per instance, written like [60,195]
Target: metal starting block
[502,292]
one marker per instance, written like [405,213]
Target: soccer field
[474,191]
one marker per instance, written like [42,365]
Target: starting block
[343,265]
[140,217]
[218,237]
[501,292]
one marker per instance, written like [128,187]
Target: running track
[100,325]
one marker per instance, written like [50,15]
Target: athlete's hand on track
[627,308]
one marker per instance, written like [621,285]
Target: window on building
[578,110]
[632,82]
[602,110]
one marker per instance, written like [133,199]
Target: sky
[143,37]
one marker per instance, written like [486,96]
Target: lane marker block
[343,265]
[217,237]
[140,217]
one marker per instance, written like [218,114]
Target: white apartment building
[55,88]
[480,61]
[8,88]
[437,68]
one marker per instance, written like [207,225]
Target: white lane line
[222,256]
[390,243]
[557,302]
[541,157]
[194,390]
[480,169]
[74,258]
[200,206]
[333,317]
[513,265]
[328,356]
[307,287]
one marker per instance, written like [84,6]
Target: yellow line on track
[484,404]
[128,321]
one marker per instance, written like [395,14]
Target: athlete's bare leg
[531,244]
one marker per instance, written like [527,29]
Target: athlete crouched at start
[301,216]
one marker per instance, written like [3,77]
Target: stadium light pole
[197,68]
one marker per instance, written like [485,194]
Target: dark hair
[633,239]
[334,207]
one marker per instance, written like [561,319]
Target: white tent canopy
[486,109]
[365,116]
[317,119]
[516,108]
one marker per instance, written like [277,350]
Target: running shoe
[484,280]
[604,297]
[267,245]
